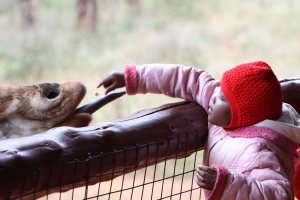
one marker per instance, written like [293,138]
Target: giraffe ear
[78,120]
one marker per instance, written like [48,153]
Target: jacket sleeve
[178,81]
[265,179]
[297,177]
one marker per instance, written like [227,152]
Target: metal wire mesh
[164,177]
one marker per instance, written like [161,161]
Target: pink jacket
[254,162]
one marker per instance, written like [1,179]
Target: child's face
[219,112]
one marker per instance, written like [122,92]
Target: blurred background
[53,40]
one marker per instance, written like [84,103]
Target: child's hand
[206,177]
[112,81]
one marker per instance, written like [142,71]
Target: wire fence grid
[163,177]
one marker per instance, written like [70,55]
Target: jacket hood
[287,124]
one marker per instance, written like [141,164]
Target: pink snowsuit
[253,162]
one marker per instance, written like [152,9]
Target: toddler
[252,137]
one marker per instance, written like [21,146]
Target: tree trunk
[28,12]
[87,14]
[133,2]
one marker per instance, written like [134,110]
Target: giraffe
[29,110]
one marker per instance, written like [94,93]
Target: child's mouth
[210,110]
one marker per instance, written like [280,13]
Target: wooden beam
[66,155]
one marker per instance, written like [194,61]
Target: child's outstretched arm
[188,83]
[112,81]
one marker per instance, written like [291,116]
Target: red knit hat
[253,92]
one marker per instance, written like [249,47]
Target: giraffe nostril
[53,94]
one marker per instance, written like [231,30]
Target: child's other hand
[206,177]
[112,81]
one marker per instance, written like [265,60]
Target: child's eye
[222,97]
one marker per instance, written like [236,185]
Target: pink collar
[277,138]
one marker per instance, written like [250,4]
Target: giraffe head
[29,110]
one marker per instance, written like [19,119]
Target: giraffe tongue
[98,103]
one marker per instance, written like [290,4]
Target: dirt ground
[181,189]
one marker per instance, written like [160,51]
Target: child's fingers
[203,167]
[205,176]
[99,84]
[112,85]
[105,80]
[209,170]
[205,184]
[110,88]
[202,185]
